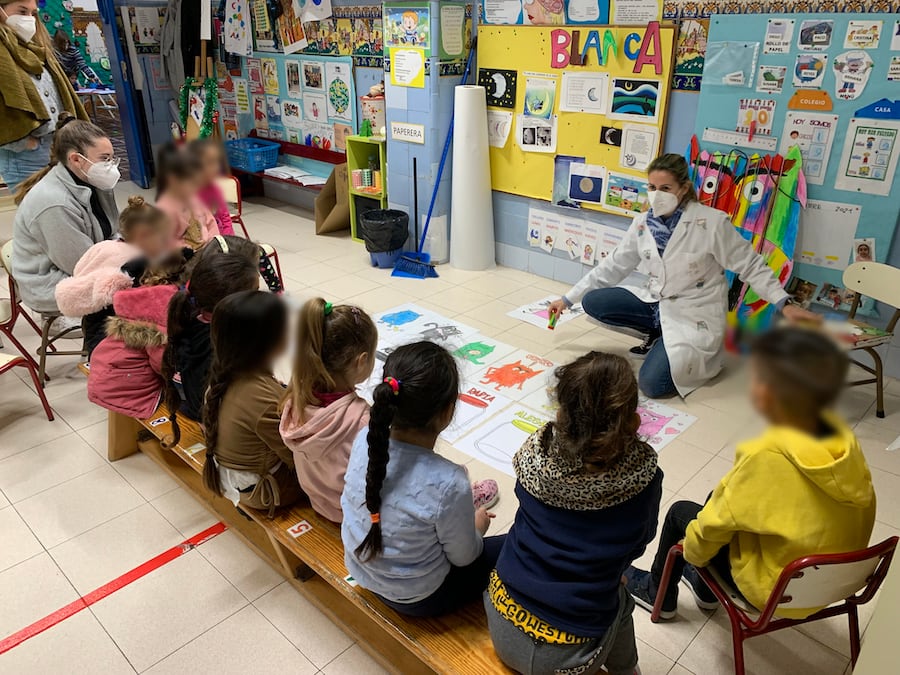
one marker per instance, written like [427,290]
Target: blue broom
[418,265]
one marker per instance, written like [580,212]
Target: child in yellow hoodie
[801,488]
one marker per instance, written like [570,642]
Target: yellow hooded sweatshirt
[789,495]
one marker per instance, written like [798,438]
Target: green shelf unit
[366,152]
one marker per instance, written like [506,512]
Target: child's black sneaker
[639,585]
[703,596]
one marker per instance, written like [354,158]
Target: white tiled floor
[70,521]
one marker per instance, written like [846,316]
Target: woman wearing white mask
[64,209]
[34,91]
[683,248]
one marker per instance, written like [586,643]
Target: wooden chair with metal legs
[882,283]
[838,582]
[230,187]
[48,347]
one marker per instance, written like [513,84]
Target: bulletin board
[585,138]
[295,97]
[842,212]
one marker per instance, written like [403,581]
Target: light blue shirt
[427,521]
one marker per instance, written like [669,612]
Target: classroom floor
[70,521]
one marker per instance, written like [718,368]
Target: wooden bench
[313,562]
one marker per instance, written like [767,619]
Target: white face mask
[662,203]
[23,26]
[102,175]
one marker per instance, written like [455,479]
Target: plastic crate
[252,154]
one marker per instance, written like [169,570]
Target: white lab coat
[688,281]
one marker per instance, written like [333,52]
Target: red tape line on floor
[107,589]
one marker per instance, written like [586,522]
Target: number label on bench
[299,529]
[194,449]
[158,421]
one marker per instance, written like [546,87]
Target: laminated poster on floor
[661,424]
[537,313]
[497,440]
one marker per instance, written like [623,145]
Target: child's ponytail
[181,313]
[381,417]
[330,339]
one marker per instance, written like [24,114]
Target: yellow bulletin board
[623,53]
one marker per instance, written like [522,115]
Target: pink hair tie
[394,384]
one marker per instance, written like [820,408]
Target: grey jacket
[53,227]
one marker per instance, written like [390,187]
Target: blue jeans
[622,308]
[17,166]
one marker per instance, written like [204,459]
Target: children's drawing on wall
[314,10]
[851,74]
[341,131]
[864,250]
[544,12]
[586,183]
[625,194]
[690,52]
[815,35]
[540,95]
[809,70]
[315,107]
[407,27]
[146,24]
[292,74]
[536,134]
[801,291]
[499,125]
[254,75]
[367,37]
[499,87]
[291,114]
[537,313]
[633,99]
[273,109]
[863,34]
[290,29]
[337,83]
[269,75]
[260,118]
[835,297]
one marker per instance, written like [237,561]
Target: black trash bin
[384,231]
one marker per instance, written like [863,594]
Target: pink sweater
[321,448]
[193,223]
[212,196]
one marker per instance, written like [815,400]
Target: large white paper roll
[471,207]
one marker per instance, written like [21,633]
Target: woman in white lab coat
[683,248]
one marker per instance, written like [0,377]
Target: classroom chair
[9,361]
[848,579]
[11,309]
[882,283]
[231,190]
[48,346]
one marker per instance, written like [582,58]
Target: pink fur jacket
[98,275]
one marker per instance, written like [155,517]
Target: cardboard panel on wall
[560,108]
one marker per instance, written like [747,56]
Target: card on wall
[863,34]
[779,34]
[851,74]
[499,87]
[633,99]
[809,70]
[337,83]
[815,35]
[315,107]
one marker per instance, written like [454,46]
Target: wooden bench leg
[122,436]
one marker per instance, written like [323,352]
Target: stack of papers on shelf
[292,173]
[857,334]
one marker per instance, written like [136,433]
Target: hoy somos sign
[566,48]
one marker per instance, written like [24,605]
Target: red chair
[12,309]
[8,362]
[849,579]
[230,187]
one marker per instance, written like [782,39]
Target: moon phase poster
[499,86]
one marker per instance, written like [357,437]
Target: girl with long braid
[246,460]
[411,531]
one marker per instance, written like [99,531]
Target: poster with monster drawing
[537,313]
[476,404]
[517,375]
